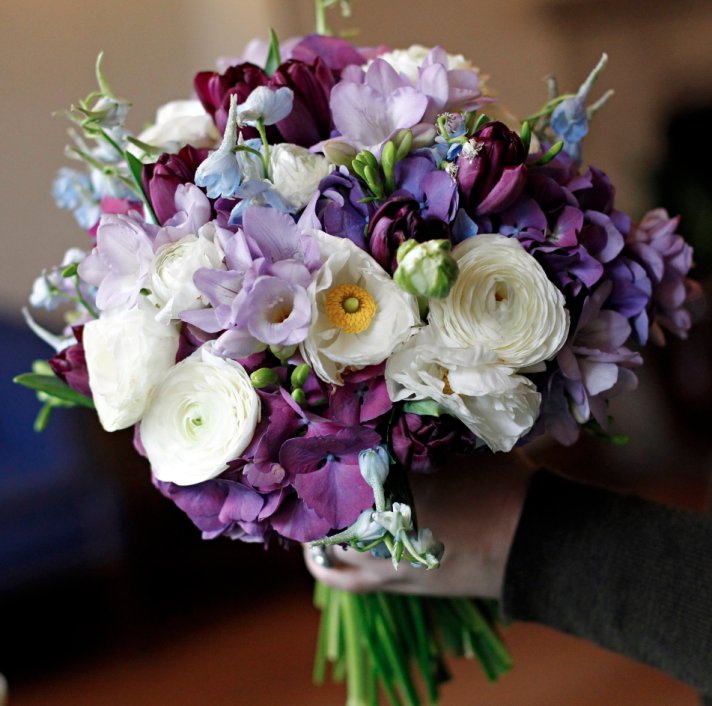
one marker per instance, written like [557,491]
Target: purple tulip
[70,365]
[491,173]
[337,53]
[397,220]
[422,444]
[162,178]
[310,121]
[214,91]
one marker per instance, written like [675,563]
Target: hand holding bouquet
[331,269]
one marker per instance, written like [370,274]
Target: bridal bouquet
[335,266]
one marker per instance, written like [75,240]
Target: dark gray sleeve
[632,576]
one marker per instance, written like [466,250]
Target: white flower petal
[202,416]
[503,301]
[330,350]
[127,354]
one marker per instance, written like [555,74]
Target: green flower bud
[300,375]
[373,179]
[264,377]
[283,352]
[299,396]
[426,269]
[388,162]
[403,140]
[339,153]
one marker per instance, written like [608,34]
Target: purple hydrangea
[666,259]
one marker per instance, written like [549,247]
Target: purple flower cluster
[243,261]
[620,281]
[300,477]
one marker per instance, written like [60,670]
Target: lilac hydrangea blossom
[594,366]
[667,259]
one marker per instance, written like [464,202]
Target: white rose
[359,315]
[493,402]
[181,123]
[127,354]
[408,61]
[502,301]
[173,268]
[296,173]
[202,416]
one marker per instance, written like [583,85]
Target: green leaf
[101,78]
[550,154]
[428,408]
[54,387]
[273,56]
[526,134]
[136,167]
[481,120]
[70,270]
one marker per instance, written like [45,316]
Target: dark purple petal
[295,520]
[337,53]
[336,491]
[241,503]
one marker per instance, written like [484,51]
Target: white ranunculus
[181,123]
[388,313]
[175,264]
[296,173]
[502,301]
[408,61]
[202,416]
[492,401]
[127,354]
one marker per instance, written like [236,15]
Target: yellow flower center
[446,385]
[350,308]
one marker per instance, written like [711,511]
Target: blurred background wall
[653,141]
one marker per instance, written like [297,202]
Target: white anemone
[359,315]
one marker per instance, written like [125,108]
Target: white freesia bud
[173,268]
[127,354]
[202,416]
[374,464]
[396,520]
[426,549]
[503,301]
[181,123]
[296,173]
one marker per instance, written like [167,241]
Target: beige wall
[154,47]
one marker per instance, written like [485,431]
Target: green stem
[355,665]
[82,300]
[259,124]
[320,15]
[322,595]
